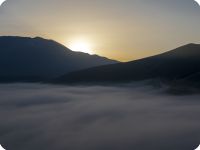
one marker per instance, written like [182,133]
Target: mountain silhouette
[38,59]
[181,65]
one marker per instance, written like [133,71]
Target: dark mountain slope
[177,64]
[35,59]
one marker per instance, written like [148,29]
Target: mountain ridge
[26,58]
[169,66]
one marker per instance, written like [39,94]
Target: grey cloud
[48,117]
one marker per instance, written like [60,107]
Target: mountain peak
[185,50]
[39,38]
[189,45]
[26,58]
[174,65]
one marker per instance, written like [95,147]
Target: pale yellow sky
[119,29]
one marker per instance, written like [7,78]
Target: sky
[119,29]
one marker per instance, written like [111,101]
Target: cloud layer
[47,117]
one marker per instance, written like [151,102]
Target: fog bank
[48,117]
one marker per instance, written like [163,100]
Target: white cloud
[97,117]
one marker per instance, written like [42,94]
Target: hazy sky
[119,29]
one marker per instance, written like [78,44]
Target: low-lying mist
[52,117]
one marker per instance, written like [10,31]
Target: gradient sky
[118,29]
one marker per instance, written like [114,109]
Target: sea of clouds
[53,117]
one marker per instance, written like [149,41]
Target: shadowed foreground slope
[36,59]
[181,65]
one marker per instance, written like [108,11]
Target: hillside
[179,65]
[38,59]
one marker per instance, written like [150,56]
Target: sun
[80,45]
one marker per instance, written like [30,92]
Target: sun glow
[80,45]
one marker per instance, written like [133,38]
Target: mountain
[38,59]
[181,65]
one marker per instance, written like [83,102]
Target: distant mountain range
[25,59]
[38,59]
[180,66]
